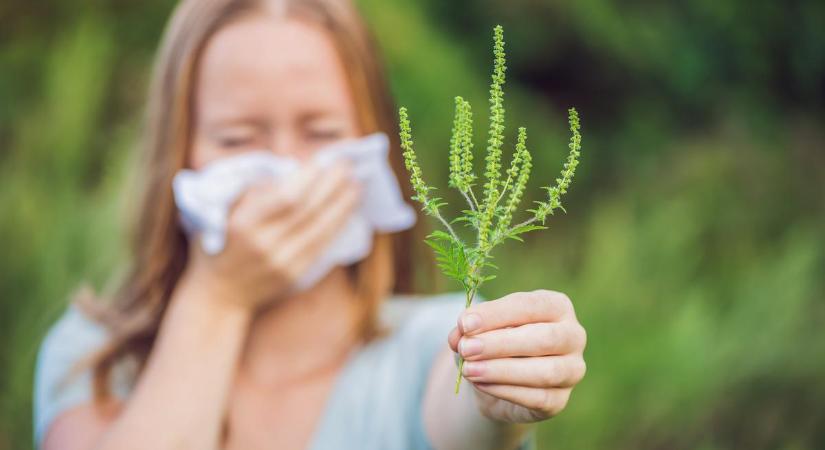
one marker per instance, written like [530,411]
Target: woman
[205,351]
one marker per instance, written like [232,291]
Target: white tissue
[205,197]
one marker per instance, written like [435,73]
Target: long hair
[158,245]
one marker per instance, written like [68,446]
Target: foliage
[490,221]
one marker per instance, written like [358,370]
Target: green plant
[489,218]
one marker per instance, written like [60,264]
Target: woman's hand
[523,354]
[275,231]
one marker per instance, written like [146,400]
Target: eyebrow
[328,114]
[236,121]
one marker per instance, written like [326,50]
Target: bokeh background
[694,246]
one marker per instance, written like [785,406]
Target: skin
[235,348]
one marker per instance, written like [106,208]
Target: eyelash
[248,141]
[235,142]
[331,134]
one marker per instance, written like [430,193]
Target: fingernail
[470,322]
[472,369]
[469,347]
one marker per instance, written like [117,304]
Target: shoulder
[73,333]
[61,382]
[405,313]
[423,319]
[377,401]
[420,325]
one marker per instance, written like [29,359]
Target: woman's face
[269,83]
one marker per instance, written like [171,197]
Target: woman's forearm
[180,398]
[454,422]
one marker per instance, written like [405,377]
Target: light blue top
[374,405]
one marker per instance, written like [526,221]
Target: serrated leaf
[450,257]
[524,229]
[441,235]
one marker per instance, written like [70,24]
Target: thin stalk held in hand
[489,218]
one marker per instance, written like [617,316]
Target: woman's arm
[275,232]
[455,422]
[180,398]
[523,355]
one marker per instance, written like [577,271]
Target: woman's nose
[286,143]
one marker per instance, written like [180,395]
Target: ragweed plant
[490,216]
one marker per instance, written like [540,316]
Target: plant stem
[458,378]
[470,294]
[503,190]
[500,236]
[473,196]
[438,216]
[469,202]
[526,222]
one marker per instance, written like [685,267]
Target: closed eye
[325,135]
[244,138]
[235,141]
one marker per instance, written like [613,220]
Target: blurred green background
[694,246]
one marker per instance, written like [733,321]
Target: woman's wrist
[513,435]
[210,295]
[190,370]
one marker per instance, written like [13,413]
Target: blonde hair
[159,247]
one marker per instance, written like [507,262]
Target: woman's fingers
[453,339]
[538,372]
[544,403]
[303,248]
[524,349]
[302,208]
[532,339]
[321,193]
[515,309]
[266,201]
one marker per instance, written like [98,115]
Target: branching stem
[469,201]
[446,224]
[473,196]
[460,261]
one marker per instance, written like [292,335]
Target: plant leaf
[450,255]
